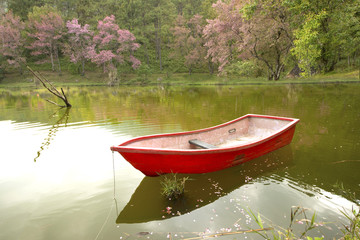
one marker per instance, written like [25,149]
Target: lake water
[59,179]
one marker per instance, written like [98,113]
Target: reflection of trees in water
[63,119]
[292,93]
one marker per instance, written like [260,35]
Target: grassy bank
[101,79]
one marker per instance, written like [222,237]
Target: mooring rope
[114,202]
[113,170]
[107,218]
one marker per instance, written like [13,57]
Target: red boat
[210,149]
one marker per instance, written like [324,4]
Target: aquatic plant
[340,189]
[173,187]
[352,231]
[289,233]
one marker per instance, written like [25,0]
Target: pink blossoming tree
[252,30]
[12,43]
[267,34]
[79,44]
[47,31]
[113,45]
[188,41]
[224,34]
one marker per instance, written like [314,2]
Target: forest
[250,38]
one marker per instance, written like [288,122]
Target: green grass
[352,230]
[173,187]
[97,78]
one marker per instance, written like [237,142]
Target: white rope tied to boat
[114,202]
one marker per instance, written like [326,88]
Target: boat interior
[237,133]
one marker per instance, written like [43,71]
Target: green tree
[348,28]
[307,46]
[21,8]
[86,12]
[207,11]
[3,7]
[162,15]
[150,22]
[187,8]
[322,28]
[133,15]
[65,7]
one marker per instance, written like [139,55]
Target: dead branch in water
[51,89]
[345,161]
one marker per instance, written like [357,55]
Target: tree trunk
[277,74]
[83,67]
[158,41]
[146,54]
[144,44]
[21,69]
[211,67]
[354,59]
[52,61]
[58,61]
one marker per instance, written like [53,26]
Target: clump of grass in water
[288,233]
[173,187]
[351,231]
[346,193]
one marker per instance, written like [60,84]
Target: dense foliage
[244,37]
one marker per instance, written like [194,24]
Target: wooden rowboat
[210,149]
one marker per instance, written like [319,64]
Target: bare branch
[51,88]
[52,102]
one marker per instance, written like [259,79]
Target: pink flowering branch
[189,41]
[80,42]
[12,44]
[112,45]
[46,34]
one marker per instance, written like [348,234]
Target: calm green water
[57,171]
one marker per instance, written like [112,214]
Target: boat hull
[157,161]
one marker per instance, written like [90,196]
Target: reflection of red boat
[209,149]
[203,189]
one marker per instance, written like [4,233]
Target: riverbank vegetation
[141,42]
[14,80]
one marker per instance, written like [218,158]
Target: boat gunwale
[123,148]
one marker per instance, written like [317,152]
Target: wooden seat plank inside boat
[201,144]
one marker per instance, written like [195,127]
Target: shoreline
[177,79]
